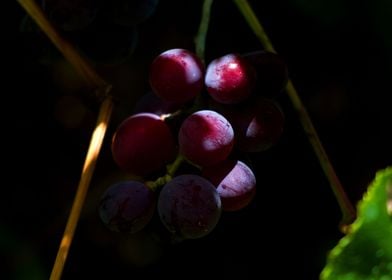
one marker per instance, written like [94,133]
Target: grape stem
[171,170]
[102,92]
[348,211]
[200,39]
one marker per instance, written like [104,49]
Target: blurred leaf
[366,252]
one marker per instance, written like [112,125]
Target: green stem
[171,170]
[200,39]
[345,205]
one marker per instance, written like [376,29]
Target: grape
[71,14]
[230,79]
[151,103]
[107,43]
[206,138]
[142,144]
[129,12]
[127,206]
[234,181]
[271,69]
[258,125]
[177,75]
[189,206]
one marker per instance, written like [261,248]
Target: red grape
[189,206]
[127,206]
[206,138]
[258,125]
[177,75]
[143,143]
[234,181]
[271,69]
[230,79]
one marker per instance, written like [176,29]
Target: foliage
[366,251]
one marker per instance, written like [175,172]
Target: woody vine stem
[102,92]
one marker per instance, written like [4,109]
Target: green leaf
[365,253]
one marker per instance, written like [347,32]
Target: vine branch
[87,173]
[102,91]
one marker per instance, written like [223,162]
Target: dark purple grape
[107,43]
[143,143]
[129,12]
[258,125]
[127,206]
[71,15]
[234,181]
[230,79]
[177,75]
[189,206]
[271,69]
[206,138]
[151,103]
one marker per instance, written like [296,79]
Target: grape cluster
[222,112]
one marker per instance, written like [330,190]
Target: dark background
[340,59]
